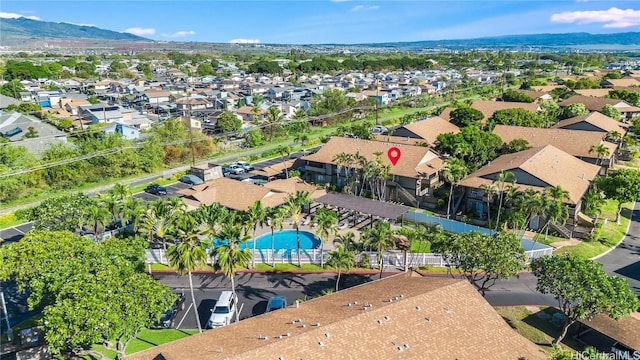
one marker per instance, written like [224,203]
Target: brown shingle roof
[274,169]
[293,184]
[157,94]
[592,103]
[399,139]
[593,92]
[232,194]
[625,330]
[415,160]
[625,82]
[575,142]
[596,119]
[432,318]
[446,113]
[430,128]
[548,164]
[487,108]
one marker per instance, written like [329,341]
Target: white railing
[394,259]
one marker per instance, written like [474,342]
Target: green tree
[379,238]
[325,221]
[583,289]
[573,110]
[610,111]
[453,171]
[188,254]
[256,216]
[342,259]
[93,100]
[205,69]
[601,151]
[621,186]
[516,145]
[229,257]
[253,138]
[276,217]
[630,97]
[59,213]
[293,208]
[516,96]
[517,117]
[466,116]
[482,259]
[283,150]
[227,122]
[502,180]
[12,89]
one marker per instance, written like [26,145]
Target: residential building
[412,179]
[5,101]
[593,121]
[14,126]
[578,143]
[537,168]
[127,132]
[597,103]
[100,113]
[405,316]
[426,130]
[488,107]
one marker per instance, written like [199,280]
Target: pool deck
[261,230]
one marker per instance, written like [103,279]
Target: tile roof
[293,184]
[596,119]
[548,164]
[430,128]
[414,160]
[575,142]
[274,169]
[444,318]
[546,88]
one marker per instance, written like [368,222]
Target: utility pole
[193,153]
[6,316]
[377,99]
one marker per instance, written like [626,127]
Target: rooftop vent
[327,335]
[447,310]
[379,322]
[303,326]
[317,324]
[406,346]
[320,343]
[428,319]
[418,308]
[387,318]
[399,348]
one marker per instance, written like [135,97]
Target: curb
[204,272]
[626,232]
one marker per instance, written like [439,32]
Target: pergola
[362,205]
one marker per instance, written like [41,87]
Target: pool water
[283,240]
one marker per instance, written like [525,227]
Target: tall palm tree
[601,151]
[294,205]
[97,216]
[628,141]
[133,212]
[557,193]
[212,216]
[273,117]
[613,136]
[230,257]
[503,179]
[348,241]
[188,253]
[256,216]
[453,171]
[341,160]
[325,220]
[283,150]
[379,238]
[341,259]
[490,190]
[276,218]
[302,138]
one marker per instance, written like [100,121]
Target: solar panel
[12,132]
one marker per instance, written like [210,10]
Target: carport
[373,208]
[626,331]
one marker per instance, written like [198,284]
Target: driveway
[624,260]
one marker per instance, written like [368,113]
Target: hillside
[13,31]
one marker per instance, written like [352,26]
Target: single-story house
[15,126]
[127,132]
[596,104]
[426,130]
[593,121]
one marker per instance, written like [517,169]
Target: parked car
[191,179]
[379,129]
[245,165]
[276,302]
[222,313]
[166,319]
[156,189]
[226,171]
[236,169]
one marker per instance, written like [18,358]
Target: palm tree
[628,141]
[342,259]
[341,160]
[294,210]
[601,152]
[348,241]
[504,178]
[229,257]
[188,254]
[613,136]
[273,117]
[490,190]
[557,193]
[256,216]
[379,238]
[302,138]
[453,171]
[213,216]
[325,220]
[276,221]
[97,215]
[284,150]
[133,212]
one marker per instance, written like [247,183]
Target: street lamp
[377,98]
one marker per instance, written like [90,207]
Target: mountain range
[23,31]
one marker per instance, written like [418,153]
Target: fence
[447,224]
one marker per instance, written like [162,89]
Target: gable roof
[593,103]
[603,122]
[414,160]
[488,107]
[575,142]
[7,100]
[430,128]
[624,82]
[625,330]
[548,164]
[434,316]
[232,194]
[601,93]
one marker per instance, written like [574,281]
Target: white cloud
[364,8]
[244,41]
[612,18]
[67,22]
[6,15]
[140,31]
[182,33]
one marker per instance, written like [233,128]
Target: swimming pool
[283,240]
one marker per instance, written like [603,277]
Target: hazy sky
[334,21]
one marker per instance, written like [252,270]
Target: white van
[222,314]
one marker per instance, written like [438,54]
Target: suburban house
[156,97]
[127,132]
[578,143]
[247,114]
[537,168]
[601,93]
[593,121]
[101,113]
[405,316]
[191,103]
[381,96]
[426,131]
[537,96]
[5,101]
[15,127]
[412,179]
[488,107]
[616,83]
[71,105]
[597,103]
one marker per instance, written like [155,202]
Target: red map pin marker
[394,155]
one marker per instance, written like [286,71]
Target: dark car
[166,319]
[226,171]
[191,180]
[156,189]
[276,302]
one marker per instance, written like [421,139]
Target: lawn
[611,234]
[149,338]
[538,330]
[9,220]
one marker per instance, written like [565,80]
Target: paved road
[624,260]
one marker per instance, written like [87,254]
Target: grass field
[149,338]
